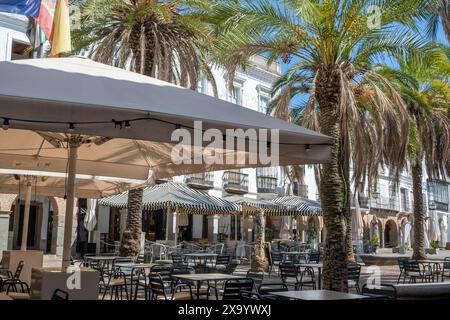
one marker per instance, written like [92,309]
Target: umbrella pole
[26,216]
[236,227]
[175,224]
[70,200]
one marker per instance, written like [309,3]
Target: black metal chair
[277,258]
[380,292]
[177,260]
[222,262]
[115,281]
[445,269]
[59,294]
[7,278]
[314,257]
[249,296]
[264,289]
[159,289]
[257,276]
[307,278]
[231,267]
[232,288]
[401,266]
[414,272]
[290,275]
[353,275]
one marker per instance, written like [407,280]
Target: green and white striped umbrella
[301,206]
[176,197]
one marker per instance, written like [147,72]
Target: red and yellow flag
[55,22]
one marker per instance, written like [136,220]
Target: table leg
[198,290]
[320,278]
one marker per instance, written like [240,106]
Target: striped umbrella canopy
[176,197]
[252,206]
[301,206]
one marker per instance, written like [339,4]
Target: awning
[301,206]
[48,95]
[176,197]
[53,184]
[252,206]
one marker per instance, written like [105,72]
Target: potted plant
[312,235]
[374,243]
[434,247]
[396,249]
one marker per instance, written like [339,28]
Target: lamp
[432,205]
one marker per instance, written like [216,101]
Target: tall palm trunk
[259,261]
[130,245]
[348,212]
[444,12]
[332,189]
[419,219]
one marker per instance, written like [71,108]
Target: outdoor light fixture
[5,125]
[71,127]
[127,124]
[375,194]
[307,148]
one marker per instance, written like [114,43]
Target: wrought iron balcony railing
[235,182]
[204,180]
[266,184]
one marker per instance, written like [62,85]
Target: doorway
[32,228]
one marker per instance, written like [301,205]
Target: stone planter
[431,251]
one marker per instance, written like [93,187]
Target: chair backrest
[288,270]
[231,267]
[276,256]
[177,259]
[164,270]
[446,264]
[223,260]
[411,266]
[123,260]
[257,276]
[59,294]
[157,285]
[18,270]
[314,257]
[233,288]
[265,288]
[249,296]
[401,263]
[353,271]
[379,292]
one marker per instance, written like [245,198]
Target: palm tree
[425,87]
[163,40]
[333,44]
[439,11]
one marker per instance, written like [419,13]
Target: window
[236,96]
[263,104]
[404,198]
[438,192]
[202,85]
[21,50]
[267,172]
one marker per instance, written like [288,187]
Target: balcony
[266,184]
[363,202]
[203,181]
[235,182]
[385,203]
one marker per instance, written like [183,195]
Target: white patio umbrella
[357,223]
[434,226]
[94,119]
[90,219]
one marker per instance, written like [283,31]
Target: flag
[55,22]
[28,8]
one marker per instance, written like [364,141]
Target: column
[59,215]
[4,230]
[382,236]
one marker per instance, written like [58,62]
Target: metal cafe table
[136,269]
[293,254]
[318,295]
[206,277]
[317,266]
[200,259]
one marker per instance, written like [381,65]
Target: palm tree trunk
[332,186]
[130,245]
[259,261]
[444,12]
[419,219]
[348,213]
